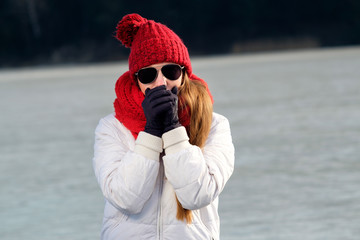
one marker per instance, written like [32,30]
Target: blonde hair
[194,98]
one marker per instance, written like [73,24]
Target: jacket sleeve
[198,176]
[126,177]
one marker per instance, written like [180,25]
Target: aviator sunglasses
[170,71]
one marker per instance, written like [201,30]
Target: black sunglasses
[170,71]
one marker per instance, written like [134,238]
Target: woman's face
[160,79]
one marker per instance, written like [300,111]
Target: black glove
[171,118]
[156,103]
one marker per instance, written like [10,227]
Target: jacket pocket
[202,224]
[116,221]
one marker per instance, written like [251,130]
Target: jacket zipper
[159,220]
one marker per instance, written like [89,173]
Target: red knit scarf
[128,109]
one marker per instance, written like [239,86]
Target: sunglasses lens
[147,75]
[171,71]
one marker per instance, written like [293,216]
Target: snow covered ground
[295,119]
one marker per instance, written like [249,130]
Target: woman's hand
[157,101]
[161,110]
[171,118]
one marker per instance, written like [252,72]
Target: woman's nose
[160,80]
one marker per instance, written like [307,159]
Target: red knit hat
[151,43]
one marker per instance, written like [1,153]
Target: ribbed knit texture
[128,109]
[151,43]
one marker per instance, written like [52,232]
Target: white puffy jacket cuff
[148,145]
[175,140]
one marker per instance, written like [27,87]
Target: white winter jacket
[139,182]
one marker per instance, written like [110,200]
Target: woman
[163,157]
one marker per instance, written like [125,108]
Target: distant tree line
[58,31]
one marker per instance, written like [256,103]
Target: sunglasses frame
[157,72]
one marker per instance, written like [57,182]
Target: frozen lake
[295,119]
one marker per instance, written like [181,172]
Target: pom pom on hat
[128,27]
[150,43]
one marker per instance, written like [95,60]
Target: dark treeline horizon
[59,31]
